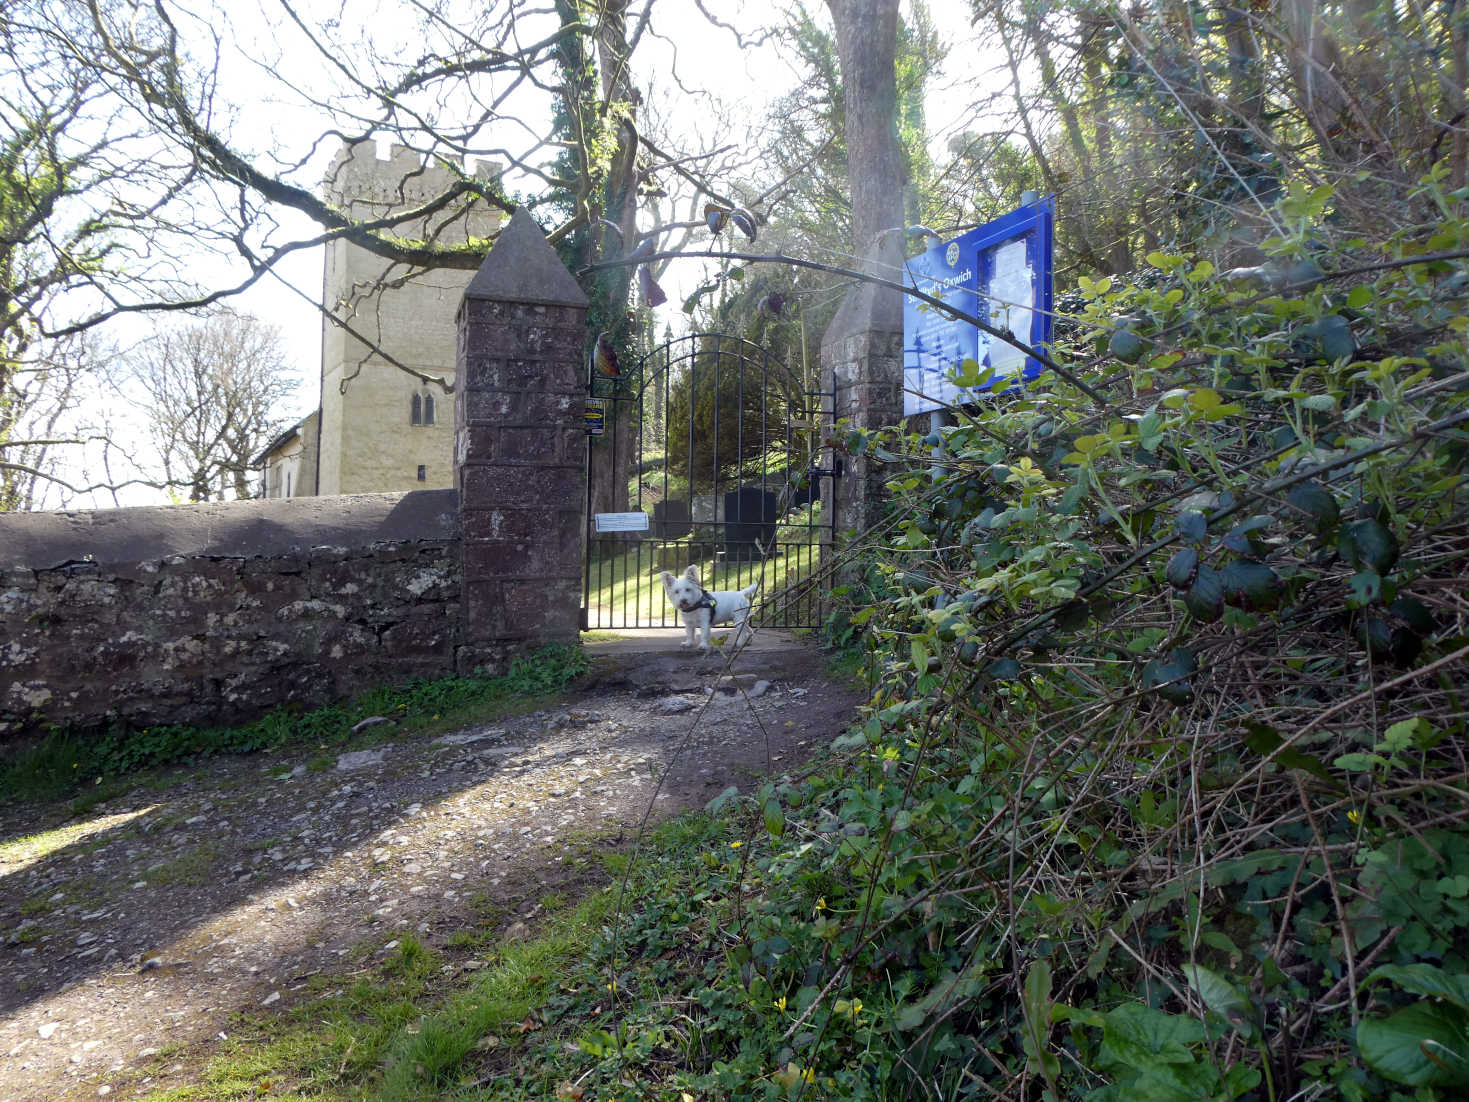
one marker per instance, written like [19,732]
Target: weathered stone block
[509,486]
[487,559]
[483,374]
[419,637]
[482,609]
[312,609]
[332,581]
[543,608]
[251,692]
[540,444]
[477,443]
[423,582]
[346,641]
[496,406]
[552,531]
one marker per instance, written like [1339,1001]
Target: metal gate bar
[741,513]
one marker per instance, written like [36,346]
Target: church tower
[382,429]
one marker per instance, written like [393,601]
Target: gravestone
[671,519]
[750,515]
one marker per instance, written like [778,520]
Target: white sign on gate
[621,522]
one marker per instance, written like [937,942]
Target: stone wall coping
[226,529]
[522,267]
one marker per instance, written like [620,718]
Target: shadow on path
[136,931]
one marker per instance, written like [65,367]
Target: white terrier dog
[702,609]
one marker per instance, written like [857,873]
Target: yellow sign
[596,416]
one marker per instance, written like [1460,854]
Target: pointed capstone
[522,267]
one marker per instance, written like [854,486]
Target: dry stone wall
[220,612]
[215,613]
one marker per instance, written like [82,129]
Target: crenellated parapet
[402,179]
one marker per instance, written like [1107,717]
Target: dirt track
[132,938]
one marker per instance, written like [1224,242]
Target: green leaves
[1196,526]
[1127,346]
[774,816]
[1329,338]
[1150,1056]
[1252,586]
[1182,567]
[1266,740]
[1170,678]
[1003,669]
[919,655]
[1317,504]
[1422,1046]
[1205,597]
[1191,525]
[1222,998]
[1035,1002]
[1367,543]
[1425,979]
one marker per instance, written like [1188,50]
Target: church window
[415,415]
[428,409]
[422,473]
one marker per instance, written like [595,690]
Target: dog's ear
[692,574]
[667,579]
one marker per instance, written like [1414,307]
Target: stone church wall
[369,441]
[215,613]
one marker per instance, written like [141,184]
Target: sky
[748,79]
[706,60]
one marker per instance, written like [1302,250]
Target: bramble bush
[1161,791]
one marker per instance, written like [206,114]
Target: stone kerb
[519,448]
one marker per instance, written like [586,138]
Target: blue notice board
[1000,273]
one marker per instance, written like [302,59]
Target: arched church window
[415,415]
[428,409]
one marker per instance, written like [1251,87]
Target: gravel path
[132,934]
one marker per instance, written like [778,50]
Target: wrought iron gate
[705,453]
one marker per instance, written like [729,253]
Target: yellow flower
[780,1003]
[821,903]
[736,845]
[1354,816]
[792,1074]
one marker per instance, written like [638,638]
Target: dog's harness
[706,600]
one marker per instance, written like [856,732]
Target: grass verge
[493,1015]
[95,767]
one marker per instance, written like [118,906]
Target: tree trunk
[613,195]
[867,43]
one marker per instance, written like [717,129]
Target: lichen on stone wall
[212,639]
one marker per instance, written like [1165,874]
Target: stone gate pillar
[520,449]
[862,365]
